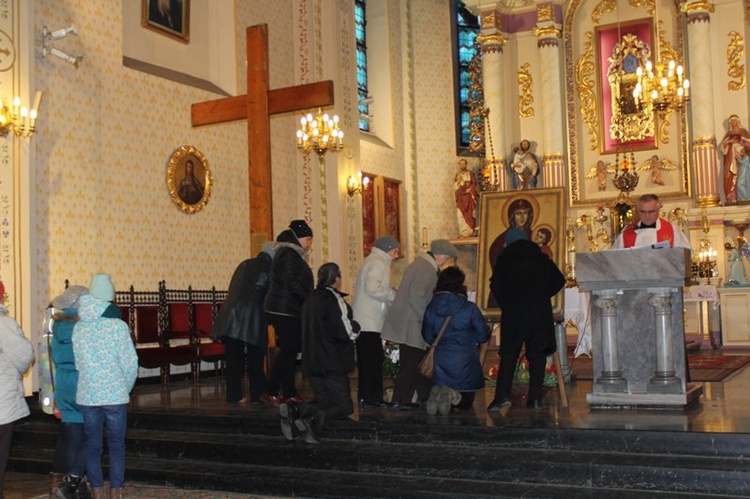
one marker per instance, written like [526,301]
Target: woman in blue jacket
[458,372]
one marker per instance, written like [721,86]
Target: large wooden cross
[257,107]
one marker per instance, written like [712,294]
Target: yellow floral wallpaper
[105,135]
[106,132]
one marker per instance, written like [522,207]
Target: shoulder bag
[427,365]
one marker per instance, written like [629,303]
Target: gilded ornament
[736,54]
[692,7]
[585,85]
[547,31]
[603,7]
[544,12]
[475,99]
[493,39]
[656,165]
[704,142]
[525,87]
[489,19]
[628,122]
[649,4]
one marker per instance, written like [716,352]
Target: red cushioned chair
[209,350]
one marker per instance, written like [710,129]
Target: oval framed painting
[189,179]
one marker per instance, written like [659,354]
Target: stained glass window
[467,29]
[360,21]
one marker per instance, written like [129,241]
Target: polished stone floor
[724,407]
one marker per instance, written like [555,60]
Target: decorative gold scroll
[736,54]
[603,7]
[525,87]
[585,86]
[650,5]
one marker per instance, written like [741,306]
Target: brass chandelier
[664,86]
[320,134]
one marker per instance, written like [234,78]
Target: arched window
[466,29]
[360,21]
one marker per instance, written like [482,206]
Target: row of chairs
[172,327]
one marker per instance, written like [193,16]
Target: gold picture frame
[545,213]
[170,18]
[190,190]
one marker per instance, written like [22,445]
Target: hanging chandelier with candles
[320,134]
[663,85]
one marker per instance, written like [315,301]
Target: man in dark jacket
[328,334]
[291,281]
[243,328]
[524,280]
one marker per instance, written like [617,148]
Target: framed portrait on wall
[539,212]
[189,179]
[167,17]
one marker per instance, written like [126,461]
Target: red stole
[665,232]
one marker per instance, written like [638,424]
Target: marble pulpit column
[701,73]
[664,380]
[638,344]
[492,42]
[548,44]
[611,379]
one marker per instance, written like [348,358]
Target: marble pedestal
[638,335]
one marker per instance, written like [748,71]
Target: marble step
[422,430]
[519,464]
[286,481]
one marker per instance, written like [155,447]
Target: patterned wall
[436,145]
[429,26]
[105,134]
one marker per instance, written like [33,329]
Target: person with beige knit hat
[403,323]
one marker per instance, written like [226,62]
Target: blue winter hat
[101,287]
[515,234]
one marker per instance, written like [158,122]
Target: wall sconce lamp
[19,119]
[50,36]
[58,34]
[355,185]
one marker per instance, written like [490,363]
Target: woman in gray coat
[403,323]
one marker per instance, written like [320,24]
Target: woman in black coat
[242,325]
[524,280]
[291,282]
[328,334]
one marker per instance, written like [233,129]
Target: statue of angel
[600,171]
[656,165]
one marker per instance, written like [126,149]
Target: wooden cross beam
[257,107]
